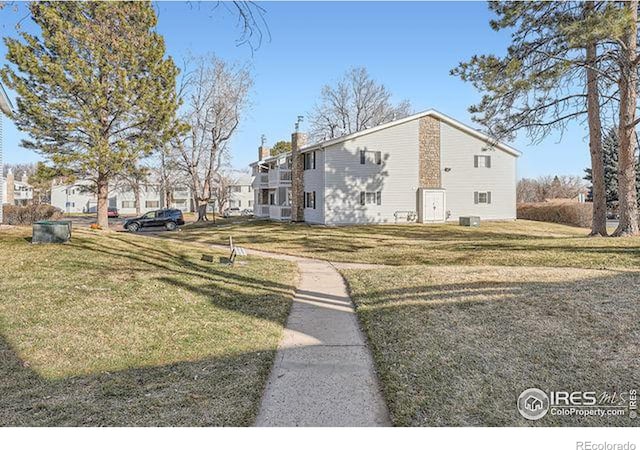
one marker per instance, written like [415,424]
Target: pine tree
[95,91]
[552,74]
[610,148]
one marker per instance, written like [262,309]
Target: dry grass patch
[455,346]
[115,329]
[494,243]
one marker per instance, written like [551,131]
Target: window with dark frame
[309,160]
[310,200]
[482,161]
[370,198]
[374,156]
[482,197]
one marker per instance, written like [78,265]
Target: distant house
[241,192]
[5,109]
[16,192]
[427,167]
[79,198]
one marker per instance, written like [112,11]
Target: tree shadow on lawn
[266,232]
[209,392]
[460,353]
[221,285]
[337,242]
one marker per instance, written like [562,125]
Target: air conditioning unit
[469,221]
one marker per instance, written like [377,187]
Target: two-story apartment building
[241,192]
[272,185]
[78,198]
[427,167]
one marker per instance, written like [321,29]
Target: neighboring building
[16,192]
[426,167]
[78,198]
[241,192]
[5,109]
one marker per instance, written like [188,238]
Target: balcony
[279,212]
[261,210]
[262,180]
[279,177]
[23,195]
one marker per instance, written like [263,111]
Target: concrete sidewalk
[323,374]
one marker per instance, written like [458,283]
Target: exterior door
[433,206]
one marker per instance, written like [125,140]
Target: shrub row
[26,215]
[568,213]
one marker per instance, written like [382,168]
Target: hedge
[568,212]
[26,215]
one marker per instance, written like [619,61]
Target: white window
[482,161]
[235,188]
[310,200]
[128,204]
[481,197]
[250,203]
[152,203]
[371,198]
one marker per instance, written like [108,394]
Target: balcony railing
[279,212]
[261,210]
[279,177]
[23,195]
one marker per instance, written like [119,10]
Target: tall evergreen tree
[95,90]
[610,149]
[551,75]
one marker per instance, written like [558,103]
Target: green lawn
[477,315]
[455,346]
[494,243]
[116,329]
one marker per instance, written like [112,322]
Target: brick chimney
[298,140]
[10,188]
[263,152]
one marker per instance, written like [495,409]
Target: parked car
[168,218]
[247,212]
[112,212]
[231,212]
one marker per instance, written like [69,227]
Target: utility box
[51,232]
[470,221]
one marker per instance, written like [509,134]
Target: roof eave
[5,102]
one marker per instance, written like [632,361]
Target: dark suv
[168,218]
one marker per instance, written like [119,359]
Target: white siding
[396,177]
[314,181]
[457,151]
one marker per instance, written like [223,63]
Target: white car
[231,212]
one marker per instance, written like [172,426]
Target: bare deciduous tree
[132,178]
[216,94]
[355,103]
[549,188]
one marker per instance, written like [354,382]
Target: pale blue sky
[410,47]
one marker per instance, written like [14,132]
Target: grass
[519,243]
[117,329]
[455,346]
